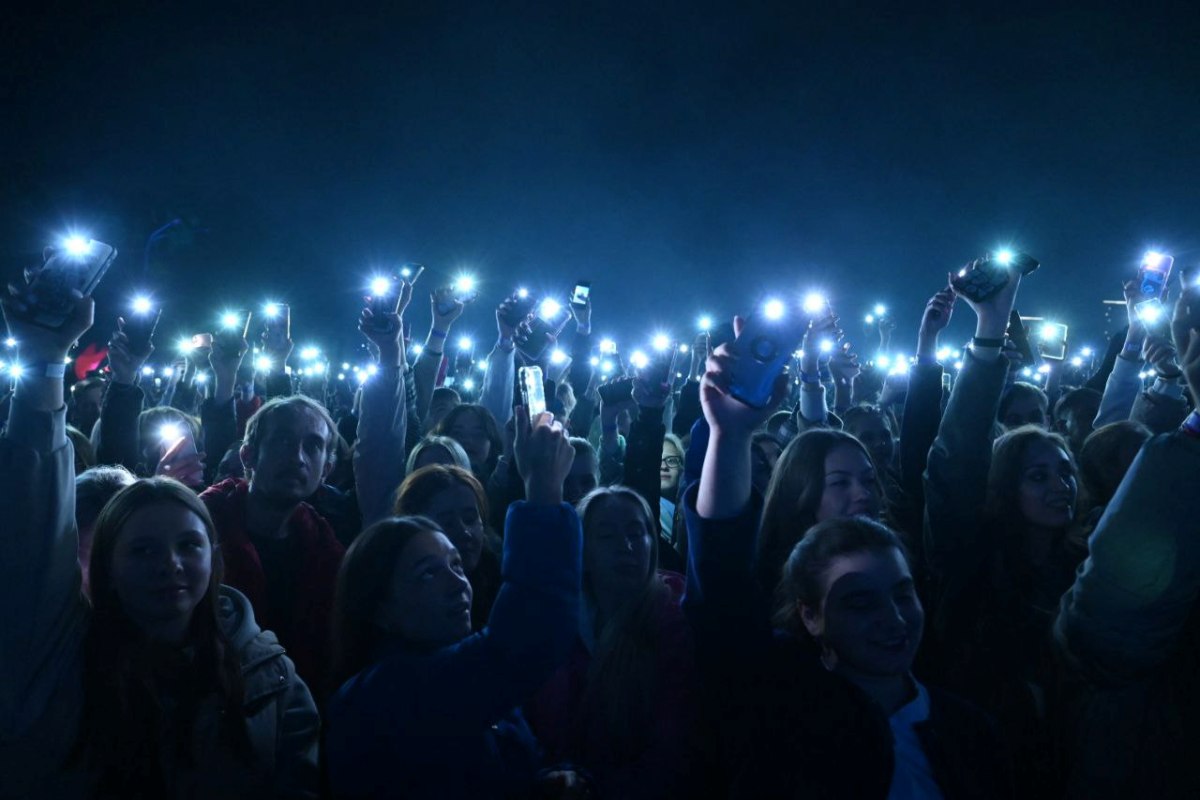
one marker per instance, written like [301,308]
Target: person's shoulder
[223,492]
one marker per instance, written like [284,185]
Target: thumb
[738,324]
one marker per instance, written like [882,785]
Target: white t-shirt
[912,776]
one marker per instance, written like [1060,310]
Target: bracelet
[807,378]
[982,341]
[1191,425]
[53,369]
[436,334]
[1132,347]
[584,330]
[505,344]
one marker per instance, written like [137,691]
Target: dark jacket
[115,438]
[1129,628]
[446,724]
[219,429]
[306,631]
[789,727]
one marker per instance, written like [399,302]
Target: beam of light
[549,309]
[380,286]
[814,303]
[1004,256]
[661,342]
[77,245]
[639,359]
[773,309]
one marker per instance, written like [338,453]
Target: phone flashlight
[229,320]
[661,342]
[883,360]
[15,370]
[826,346]
[880,309]
[10,342]
[594,361]
[1004,256]
[814,303]
[774,309]
[417,349]
[309,353]
[464,343]
[608,346]
[869,318]
[76,245]
[170,432]
[639,360]
[141,305]
[943,353]
[557,356]
[465,283]
[201,377]
[262,364]
[606,368]
[1086,352]
[381,286]
[1151,312]
[271,310]
[549,309]
[523,293]
[705,323]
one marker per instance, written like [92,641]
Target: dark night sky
[684,159]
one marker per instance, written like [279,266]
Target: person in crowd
[94,487]
[871,426]
[1002,544]
[85,457]
[1127,627]
[585,472]
[1074,414]
[279,551]
[623,708]
[1023,404]
[445,308]
[436,450]
[670,473]
[443,401]
[766,452]
[827,706]
[823,474]
[162,685]
[426,707]
[1104,459]
[474,428]
[453,498]
[83,409]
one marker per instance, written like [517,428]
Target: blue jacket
[445,724]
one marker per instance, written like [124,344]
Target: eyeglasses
[672,462]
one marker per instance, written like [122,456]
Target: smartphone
[277,329]
[463,296]
[202,341]
[1152,313]
[235,318]
[519,309]
[139,328]
[583,290]
[762,351]
[533,391]
[74,267]
[945,381]
[534,343]
[991,275]
[1019,336]
[169,435]
[411,272]
[616,392]
[1054,340]
[660,371]
[1153,274]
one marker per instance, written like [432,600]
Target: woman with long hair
[474,427]
[622,708]
[163,685]
[453,498]
[426,707]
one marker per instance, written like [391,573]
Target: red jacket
[307,635]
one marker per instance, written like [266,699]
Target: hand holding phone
[533,391]
[984,278]
[76,267]
[1153,274]
[760,352]
[179,458]
[139,328]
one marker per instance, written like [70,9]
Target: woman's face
[434,454]
[1047,490]
[850,489]
[1026,409]
[870,616]
[617,548]
[469,431]
[873,432]
[670,468]
[429,599]
[162,563]
[455,511]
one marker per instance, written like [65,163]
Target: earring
[829,658]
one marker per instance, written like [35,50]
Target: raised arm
[116,435]
[923,402]
[1124,382]
[218,414]
[445,309]
[501,373]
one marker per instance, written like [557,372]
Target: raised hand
[504,328]
[819,330]
[844,364]
[938,312]
[185,467]
[123,359]
[727,416]
[38,344]
[992,314]
[446,307]
[543,456]
[583,314]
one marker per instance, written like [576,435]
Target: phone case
[140,328]
[763,350]
[989,277]
[533,391]
[1153,282]
[62,274]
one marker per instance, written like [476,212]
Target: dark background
[684,159]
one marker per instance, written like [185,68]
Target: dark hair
[121,721]
[863,412]
[490,429]
[1106,456]
[1018,390]
[94,487]
[256,425]
[1083,399]
[416,493]
[363,583]
[622,675]
[1004,477]
[794,495]
[804,571]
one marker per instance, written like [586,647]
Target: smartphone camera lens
[763,349]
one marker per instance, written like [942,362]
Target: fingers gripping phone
[139,328]
[660,371]
[533,391]
[1019,336]
[518,309]
[988,276]
[762,351]
[1153,274]
[77,266]
[583,290]
[278,329]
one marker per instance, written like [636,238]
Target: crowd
[965,573]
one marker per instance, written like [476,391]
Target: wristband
[1191,425]
[584,330]
[56,369]
[807,378]
[981,341]
[927,361]
[434,333]
[505,344]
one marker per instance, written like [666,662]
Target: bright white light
[10,342]
[468,384]
[310,353]
[705,323]
[557,356]
[1049,331]
[481,365]
[158,381]
[870,318]
[798,354]
[77,245]
[1153,259]
[319,369]
[1086,352]
[549,309]
[943,353]
[608,346]
[465,283]
[1044,369]
[307,372]
[262,364]
[372,369]
[683,348]
[380,287]
[958,365]
[661,341]
[773,309]
[271,310]
[1150,314]
[362,376]
[464,343]
[345,365]
[639,359]
[880,309]
[201,377]
[405,272]
[170,432]
[1026,372]
[883,361]
[418,349]
[826,346]
[523,293]
[1004,257]
[229,320]
[594,361]
[186,346]
[168,372]
[814,303]
[141,305]
[341,376]
[901,368]
[16,370]
[606,367]
[147,371]
[1076,362]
